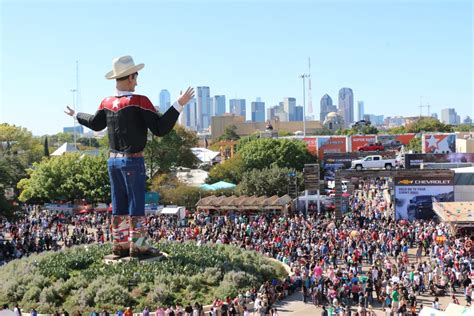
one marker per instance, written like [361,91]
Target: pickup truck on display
[374,162]
[371,147]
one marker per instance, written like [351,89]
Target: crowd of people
[42,230]
[360,262]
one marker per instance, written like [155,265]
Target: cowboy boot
[138,238]
[120,235]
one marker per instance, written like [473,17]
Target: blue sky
[389,52]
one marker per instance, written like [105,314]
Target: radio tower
[310,98]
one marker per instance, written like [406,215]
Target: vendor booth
[459,215]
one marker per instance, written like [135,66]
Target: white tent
[65,148]
[174,211]
[205,155]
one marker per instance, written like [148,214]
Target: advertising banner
[311,143]
[394,141]
[335,161]
[414,195]
[311,176]
[361,140]
[438,143]
[415,160]
[331,144]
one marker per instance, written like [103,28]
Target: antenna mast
[310,98]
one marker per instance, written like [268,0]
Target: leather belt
[126,155]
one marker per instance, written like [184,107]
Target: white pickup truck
[374,162]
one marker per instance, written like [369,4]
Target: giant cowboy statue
[127,117]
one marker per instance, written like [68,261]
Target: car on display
[371,147]
[374,162]
[420,207]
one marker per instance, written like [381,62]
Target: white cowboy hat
[123,66]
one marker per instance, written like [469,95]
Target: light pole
[74,108]
[304,76]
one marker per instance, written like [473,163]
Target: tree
[359,130]
[46,147]
[171,150]
[18,142]
[396,130]
[464,128]
[67,177]
[229,133]
[428,124]
[229,171]
[283,153]
[415,144]
[267,181]
[181,195]
[89,142]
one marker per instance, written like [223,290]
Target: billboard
[331,144]
[414,195]
[438,143]
[415,160]
[395,141]
[361,140]
[311,143]
[335,161]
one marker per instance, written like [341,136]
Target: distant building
[238,107]
[188,116]
[258,111]
[394,121]
[165,101]
[467,120]
[218,105]
[203,104]
[271,112]
[326,107]
[360,110]
[70,130]
[449,116]
[374,119]
[299,113]
[346,105]
[333,121]
[219,123]
[289,106]
[434,115]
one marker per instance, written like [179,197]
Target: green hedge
[78,279]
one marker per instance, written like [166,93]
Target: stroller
[437,290]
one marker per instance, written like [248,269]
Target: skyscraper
[258,111]
[360,110]
[165,100]
[289,105]
[218,105]
[188,116]
[299,113]
[237,107]
[203,108]
[326,107]
[449,116]
[346,105]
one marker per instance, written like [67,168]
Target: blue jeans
[127,183]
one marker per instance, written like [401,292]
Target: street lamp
[304,76]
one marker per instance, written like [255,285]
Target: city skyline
[389,66]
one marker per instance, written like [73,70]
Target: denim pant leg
[117,187]
[133,173]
